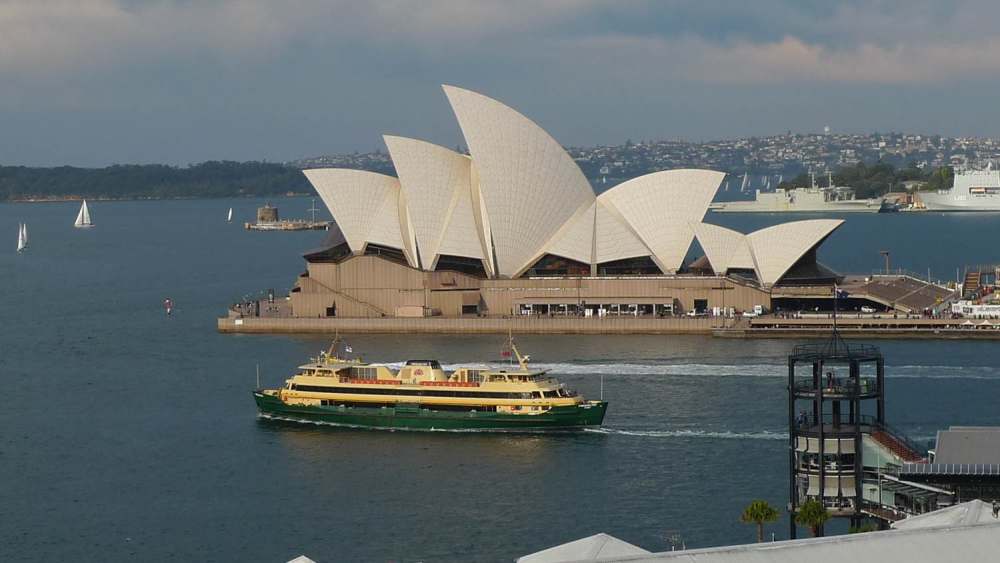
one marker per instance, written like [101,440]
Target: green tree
[812,514]
[759,512]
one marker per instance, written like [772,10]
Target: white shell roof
[530,186]
[364,204]
[660,208]
[615,239]
[521,196]
[778,248]
[724,248]
[576,241]
[437,185]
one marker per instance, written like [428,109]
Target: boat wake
[568,430]
[709,434]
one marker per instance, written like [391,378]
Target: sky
[98,82]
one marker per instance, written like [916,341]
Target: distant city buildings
[763,158]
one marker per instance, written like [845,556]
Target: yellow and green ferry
[423,396]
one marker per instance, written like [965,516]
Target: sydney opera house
[514,228]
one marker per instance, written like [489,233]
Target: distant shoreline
[65,199]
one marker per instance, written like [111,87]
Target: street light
[885,254]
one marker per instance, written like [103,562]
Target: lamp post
[885,254]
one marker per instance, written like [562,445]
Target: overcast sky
[93,82]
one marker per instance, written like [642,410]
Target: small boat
[229,217]
[83,217]
[22,237]
[336,390]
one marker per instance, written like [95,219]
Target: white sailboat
[83,217]
[229,217]
[22,237]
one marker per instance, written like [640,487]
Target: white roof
[520,196]
[778,248]
[576,241]
[436,183]
[615,238]
[530,186]
[724,248]
[660,208]
[964,514]
[364,204]
[934,544]
[592,548]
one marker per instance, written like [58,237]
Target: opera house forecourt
[515,230]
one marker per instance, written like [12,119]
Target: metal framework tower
[835,396]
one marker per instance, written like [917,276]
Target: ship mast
[522,361]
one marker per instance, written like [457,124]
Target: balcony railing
[839,386]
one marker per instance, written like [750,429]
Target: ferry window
[364,372]
[474,375]
[536,395]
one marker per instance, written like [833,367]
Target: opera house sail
[514,226]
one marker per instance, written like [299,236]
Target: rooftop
[963,533]
[968,445]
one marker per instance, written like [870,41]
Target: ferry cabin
[425,383]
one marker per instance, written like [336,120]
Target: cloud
[269,78]
[881,42]
[791,59]
[39,37]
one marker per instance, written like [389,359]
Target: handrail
[869,420]
[842,386]
[903,438]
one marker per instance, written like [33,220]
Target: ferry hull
[414,417]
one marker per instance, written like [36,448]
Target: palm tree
[758,512]
[812,514]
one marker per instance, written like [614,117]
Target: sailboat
[83,217]
[229,217]
[22,237]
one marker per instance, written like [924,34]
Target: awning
[835,486]
[811,445]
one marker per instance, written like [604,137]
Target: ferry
[422,396]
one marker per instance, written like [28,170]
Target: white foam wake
[711,434]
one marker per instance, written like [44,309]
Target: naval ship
[974,190]
[837,199]
[344,391]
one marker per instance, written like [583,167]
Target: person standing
[168,306]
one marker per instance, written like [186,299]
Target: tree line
[153,181]
[874,180]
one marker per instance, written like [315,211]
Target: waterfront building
[514,228]
[842,452]
[965,461]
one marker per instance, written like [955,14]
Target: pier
[768,326]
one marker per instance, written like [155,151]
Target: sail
[83,217]
[22,234]
[229,218]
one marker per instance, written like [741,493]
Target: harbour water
[130,435]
